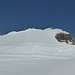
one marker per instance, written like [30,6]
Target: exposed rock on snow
[63,37]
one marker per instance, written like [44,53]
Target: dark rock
[64,37]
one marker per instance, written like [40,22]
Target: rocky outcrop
[64,37]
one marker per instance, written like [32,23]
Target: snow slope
[36,52]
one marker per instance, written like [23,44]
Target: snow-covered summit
[35,41]
[31,36]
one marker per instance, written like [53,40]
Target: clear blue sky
[19,14]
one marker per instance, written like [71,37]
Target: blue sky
[19,14]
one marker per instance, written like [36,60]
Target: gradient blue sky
[19,14]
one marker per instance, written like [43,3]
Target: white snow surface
[36,52]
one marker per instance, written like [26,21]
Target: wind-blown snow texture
[36,52]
